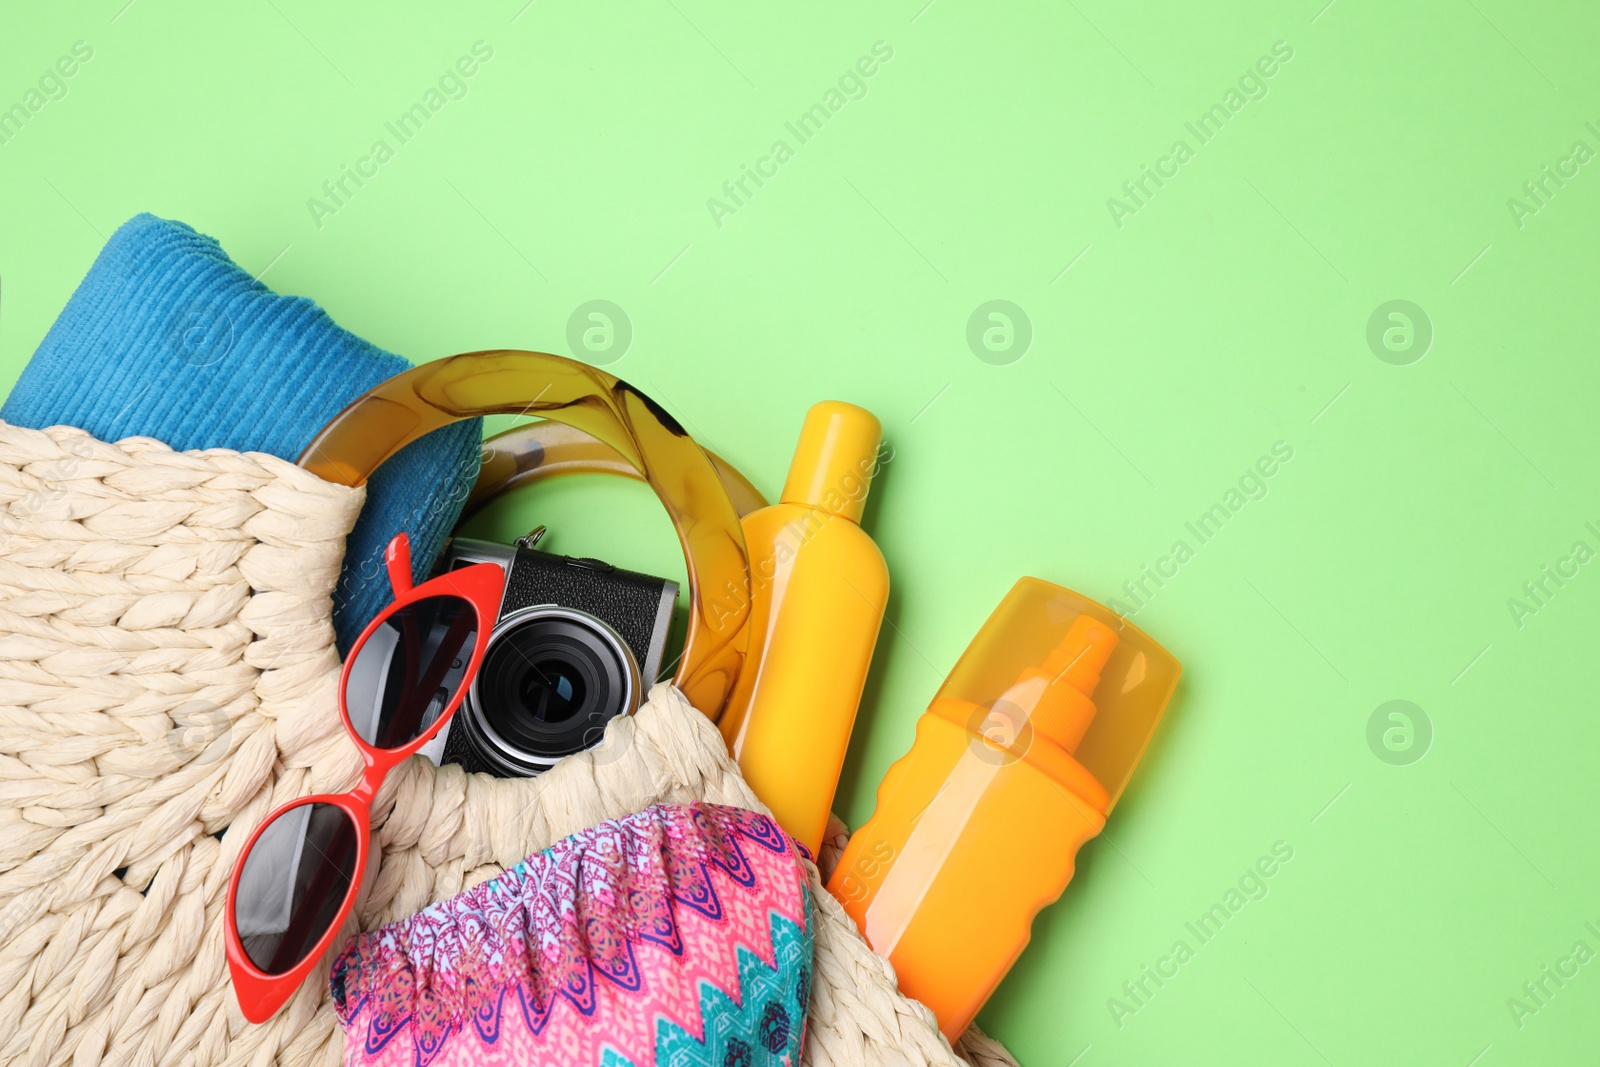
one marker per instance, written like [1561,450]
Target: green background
[1227,313]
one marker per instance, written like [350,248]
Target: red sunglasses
[298,875]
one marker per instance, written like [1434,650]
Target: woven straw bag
[168,671]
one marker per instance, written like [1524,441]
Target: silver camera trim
[632,692]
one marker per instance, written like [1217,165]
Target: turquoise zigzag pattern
[767,1024]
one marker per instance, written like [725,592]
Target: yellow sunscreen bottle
[820,588]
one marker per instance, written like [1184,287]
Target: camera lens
[552,691]
[551,679]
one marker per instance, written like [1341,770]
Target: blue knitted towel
[167,338]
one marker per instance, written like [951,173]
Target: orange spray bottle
[1012,770]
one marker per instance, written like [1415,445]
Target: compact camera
[577,643]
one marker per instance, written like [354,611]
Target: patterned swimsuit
[679,936]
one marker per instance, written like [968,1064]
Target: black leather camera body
[577,642]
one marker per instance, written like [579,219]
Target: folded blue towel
[167,338]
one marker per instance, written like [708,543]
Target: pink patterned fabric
[680,935]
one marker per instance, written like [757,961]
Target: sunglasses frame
[482,586]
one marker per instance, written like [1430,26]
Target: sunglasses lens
[407,672]
[294,880]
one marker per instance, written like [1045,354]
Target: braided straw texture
[167,671]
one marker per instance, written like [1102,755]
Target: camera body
[576,643]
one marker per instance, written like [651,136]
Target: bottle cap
[835,460]
[1061,669]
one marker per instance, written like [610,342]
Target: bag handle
[642,434]
[535,451]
